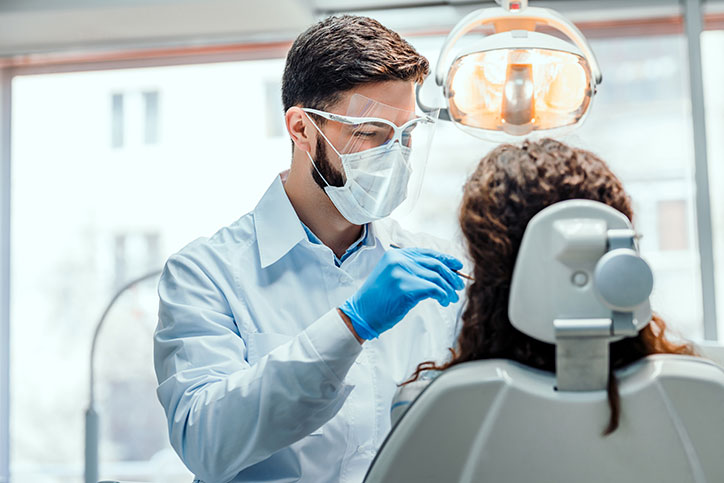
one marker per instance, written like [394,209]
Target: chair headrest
[579,261]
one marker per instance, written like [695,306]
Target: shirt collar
[362,240]
[277,225]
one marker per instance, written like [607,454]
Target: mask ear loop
[315,169]
[330,144]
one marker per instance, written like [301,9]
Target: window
[100,223]
[134,118]
[673,226]
[150,102]
[275,125]
[712,46]
[135,254]
[117,120]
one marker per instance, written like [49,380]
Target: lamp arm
[99,325]
[91,415]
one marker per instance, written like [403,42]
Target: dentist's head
[342,67]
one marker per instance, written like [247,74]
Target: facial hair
[325,168]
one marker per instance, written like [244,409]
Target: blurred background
[128,128]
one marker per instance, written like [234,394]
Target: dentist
[281,339]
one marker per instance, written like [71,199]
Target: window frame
[5,96]
[9,69]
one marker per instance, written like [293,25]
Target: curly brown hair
[510,186]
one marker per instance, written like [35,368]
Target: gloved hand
[401,279]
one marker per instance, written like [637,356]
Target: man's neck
[317,212]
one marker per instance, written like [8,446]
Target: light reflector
[518,90]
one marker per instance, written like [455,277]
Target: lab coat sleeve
[224,414]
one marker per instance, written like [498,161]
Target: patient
[510,185]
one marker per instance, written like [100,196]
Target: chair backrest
[497,420]
[578,283]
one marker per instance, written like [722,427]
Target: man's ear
[299,128]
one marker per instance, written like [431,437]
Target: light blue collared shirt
[260,378]
[352,248]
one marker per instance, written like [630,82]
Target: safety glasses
[369,123]
[362,133]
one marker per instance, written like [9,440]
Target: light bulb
[518,106]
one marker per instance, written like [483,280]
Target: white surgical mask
[376,183]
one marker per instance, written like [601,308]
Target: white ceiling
[30,26]
[40,26]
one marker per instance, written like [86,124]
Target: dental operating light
[517,81]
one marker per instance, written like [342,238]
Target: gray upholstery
[499,421]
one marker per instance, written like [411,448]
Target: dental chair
[580,284]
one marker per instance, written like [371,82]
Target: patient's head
[510,186]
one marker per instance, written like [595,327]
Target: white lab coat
[260,378]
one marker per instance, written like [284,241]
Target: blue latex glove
[401,279]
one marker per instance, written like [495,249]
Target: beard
[325,168]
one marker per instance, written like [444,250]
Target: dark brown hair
[340,53]
[510,185]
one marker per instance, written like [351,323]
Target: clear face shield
[383,152]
